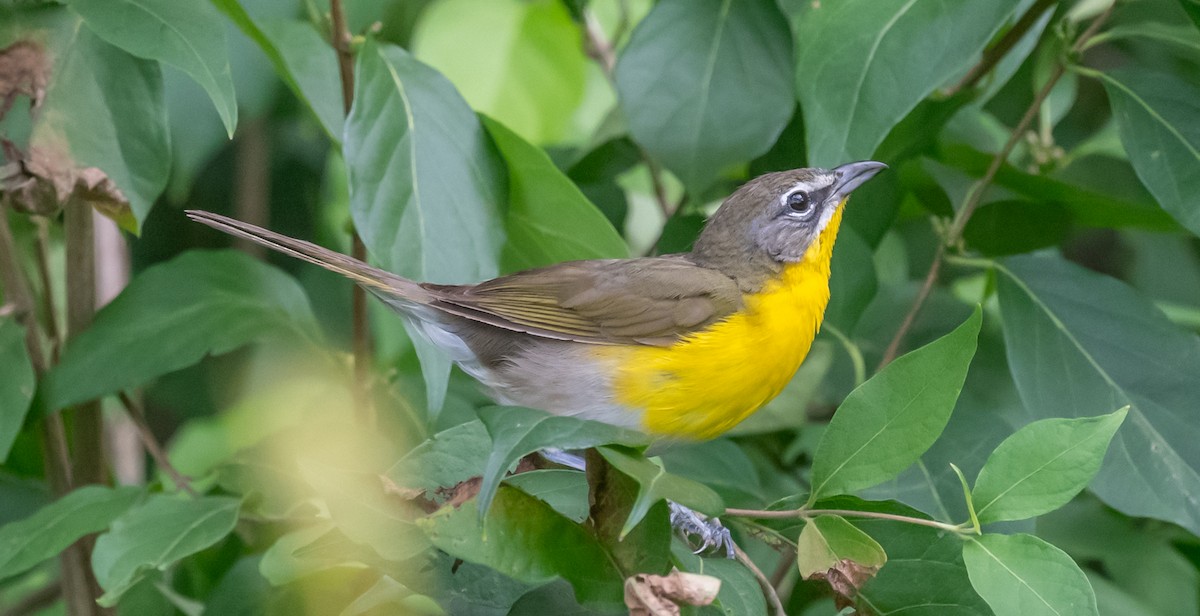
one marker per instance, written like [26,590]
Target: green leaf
[311,65]
[1015,226]
[564,490]
[525,539]
[827,540]
[171,316]
[16,383]
[684,81]
[1021,575]
[1087,208]
[519,62]
[186,35]
[888,422]
[548,219]
[306,66]
[924,575]
[155,534]
[740,594]
[445,459]
[103,109]
[656,484]
[41,536]
[1181,35]
[426,189]
[1042,466]
[517,432]
[862,65]
[1078,341]
[1155,112]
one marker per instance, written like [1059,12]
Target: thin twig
[806,514]
[978,189]
[601,50]
[340,37]
[787,563]
[767,588]
[42,240]
[138,415]
[994,54]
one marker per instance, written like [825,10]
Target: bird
[680,347]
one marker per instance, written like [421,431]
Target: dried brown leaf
[846,578]
[661,595]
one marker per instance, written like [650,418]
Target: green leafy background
[1029,445]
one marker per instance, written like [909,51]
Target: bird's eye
[799,202]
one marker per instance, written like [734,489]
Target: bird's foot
[710,531]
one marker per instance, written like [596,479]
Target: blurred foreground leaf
[524,538]
[172,315]
[154,535]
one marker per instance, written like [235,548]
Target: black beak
[852,175]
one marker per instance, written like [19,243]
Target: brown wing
[650,301]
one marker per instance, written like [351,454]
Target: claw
[710,531]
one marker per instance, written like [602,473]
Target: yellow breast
[713,379]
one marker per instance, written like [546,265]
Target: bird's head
[775,218]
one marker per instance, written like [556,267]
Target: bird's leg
[710,531]
[567,459]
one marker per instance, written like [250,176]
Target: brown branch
[88,423]
[252,175]
[806,514]
[768,589]
[138,415]
[979,189]
[994,54]
[340,38]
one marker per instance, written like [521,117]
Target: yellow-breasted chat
[678,346]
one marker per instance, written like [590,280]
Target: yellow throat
[710,381]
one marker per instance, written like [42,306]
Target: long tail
[373,278]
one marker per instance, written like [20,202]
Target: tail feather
[373,278]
